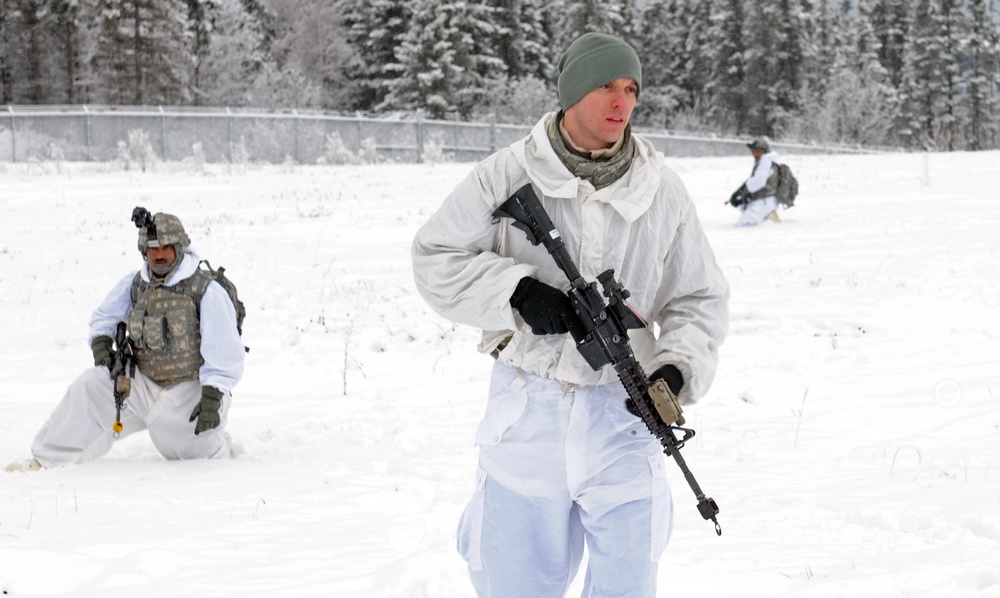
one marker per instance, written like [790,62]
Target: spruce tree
[856,107]
[69,74]
[921,79]
[425,74]
[982,54]
[143,51]
[374,29]
[445,62]
[952,25]
[728,86]
[233,57]
[659,42]
[890,20]
[574,18]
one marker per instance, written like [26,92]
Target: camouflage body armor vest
[165,329]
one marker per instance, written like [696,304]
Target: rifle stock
[605,341]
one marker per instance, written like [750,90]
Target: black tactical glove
[104,354]
[207,410]
[546,309]
[739,197]
[672,376]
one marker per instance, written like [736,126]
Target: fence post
[420,136]
[87,133]
[229,133]
[295,125]
[13,135]
[163,134]
[493,132]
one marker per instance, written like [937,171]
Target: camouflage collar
[599,171]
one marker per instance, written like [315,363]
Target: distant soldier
[756,198]
[187,355]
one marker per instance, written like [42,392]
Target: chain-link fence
[102,133]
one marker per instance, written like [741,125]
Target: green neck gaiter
[599,170]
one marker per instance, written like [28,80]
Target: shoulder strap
[137,283]
[194,286]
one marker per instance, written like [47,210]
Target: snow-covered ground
[852,437]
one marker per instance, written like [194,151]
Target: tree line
[910,73]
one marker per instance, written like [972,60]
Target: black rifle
[606,338]
[119,375]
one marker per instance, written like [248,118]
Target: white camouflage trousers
[80,427]
[561,468]
[756,211]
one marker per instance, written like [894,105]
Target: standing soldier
[563,463]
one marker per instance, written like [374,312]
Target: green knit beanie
[593,60]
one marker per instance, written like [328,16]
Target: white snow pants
[561,467]
[756,211]
[80,427]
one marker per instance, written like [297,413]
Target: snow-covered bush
[434,153]
[239,156]
[368,154]
[336,152]
[137,152]
[289,166]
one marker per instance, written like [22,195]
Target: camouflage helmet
[165,229]
[760,144]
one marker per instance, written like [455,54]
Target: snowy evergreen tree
[983,68]
[201,17]
[374,29]
[697,19]
[890,19]
[477,37]
[857,105]
[311,42]
[527,87]
[424,74]
[442,65]
[576,17]
[774,62]
[6,52]
[233,57]
[70,73]
[790,61]
[143,51]
[22,39]
[522,40]
[830,36]
[727,86]
[510,38]
[540,56]
[921,79]
[953,26]
[660,40]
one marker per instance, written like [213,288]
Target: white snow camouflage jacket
[221,345]
[644,226]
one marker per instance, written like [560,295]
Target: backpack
[197,284]
[788,186]
[220,277]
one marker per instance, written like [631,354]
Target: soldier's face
[599,119]
[161,258]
